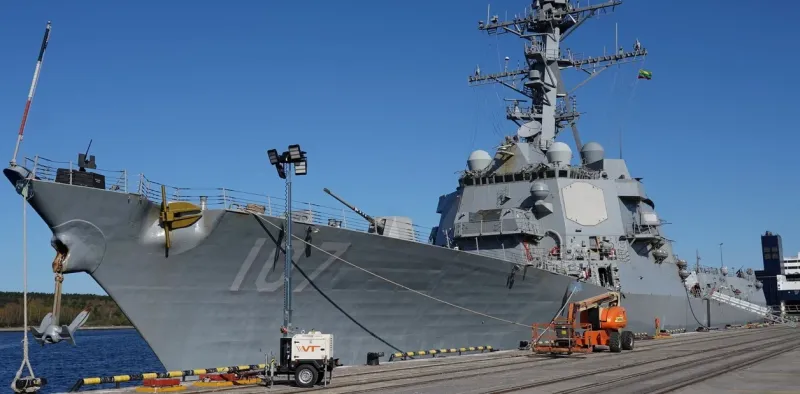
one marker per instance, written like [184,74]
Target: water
[97,353]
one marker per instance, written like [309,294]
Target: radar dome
[540,190]
[559,152]
[479,160]
[592,152]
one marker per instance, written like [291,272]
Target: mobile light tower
[294,157]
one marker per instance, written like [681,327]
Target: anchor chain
[58,271]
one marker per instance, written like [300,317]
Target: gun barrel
[356,210]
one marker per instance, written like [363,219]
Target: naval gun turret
[391,226]
[374,225]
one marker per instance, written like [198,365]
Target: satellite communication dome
[540,190]
[479,160]
[559,152]
[592,152]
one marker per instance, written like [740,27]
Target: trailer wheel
[305,376]
[614,342]
[628,340]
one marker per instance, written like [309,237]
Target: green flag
[644,74]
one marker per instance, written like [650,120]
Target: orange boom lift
[602,326]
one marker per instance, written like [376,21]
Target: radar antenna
[544,26]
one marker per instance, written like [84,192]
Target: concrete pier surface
[728,361]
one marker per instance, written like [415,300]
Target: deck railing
[221,198]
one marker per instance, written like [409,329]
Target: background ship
[523,227]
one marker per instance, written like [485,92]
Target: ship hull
[217,298]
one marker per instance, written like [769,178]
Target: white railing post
[269,205]
[35,164]
[344,219]
[70,172]
[141,184]
[125,179]
[224,199]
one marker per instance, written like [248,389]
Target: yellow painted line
[242,382]
[141,389]
[213,384]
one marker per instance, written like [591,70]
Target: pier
[743,359]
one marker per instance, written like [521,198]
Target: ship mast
[552,107]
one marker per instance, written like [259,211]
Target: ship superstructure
[528,200]
[199,272]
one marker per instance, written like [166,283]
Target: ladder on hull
[751,307]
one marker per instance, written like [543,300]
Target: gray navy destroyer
[199,272]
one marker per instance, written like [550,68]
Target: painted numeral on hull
[337,249]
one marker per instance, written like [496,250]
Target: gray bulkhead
[589,221]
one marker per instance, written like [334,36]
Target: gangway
[751,307]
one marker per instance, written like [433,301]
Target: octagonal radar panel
[529,129]
[584,204]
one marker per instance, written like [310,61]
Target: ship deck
[314,213]
[741,360]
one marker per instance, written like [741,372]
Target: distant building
[780,276]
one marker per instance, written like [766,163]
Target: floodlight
[294,152]
[301,167]
[273,156]
[281,171]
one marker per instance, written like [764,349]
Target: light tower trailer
[307,356]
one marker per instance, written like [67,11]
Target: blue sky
[376,92]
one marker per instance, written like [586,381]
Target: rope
[689,301]
[395,283]
[630,99]
[25,360]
